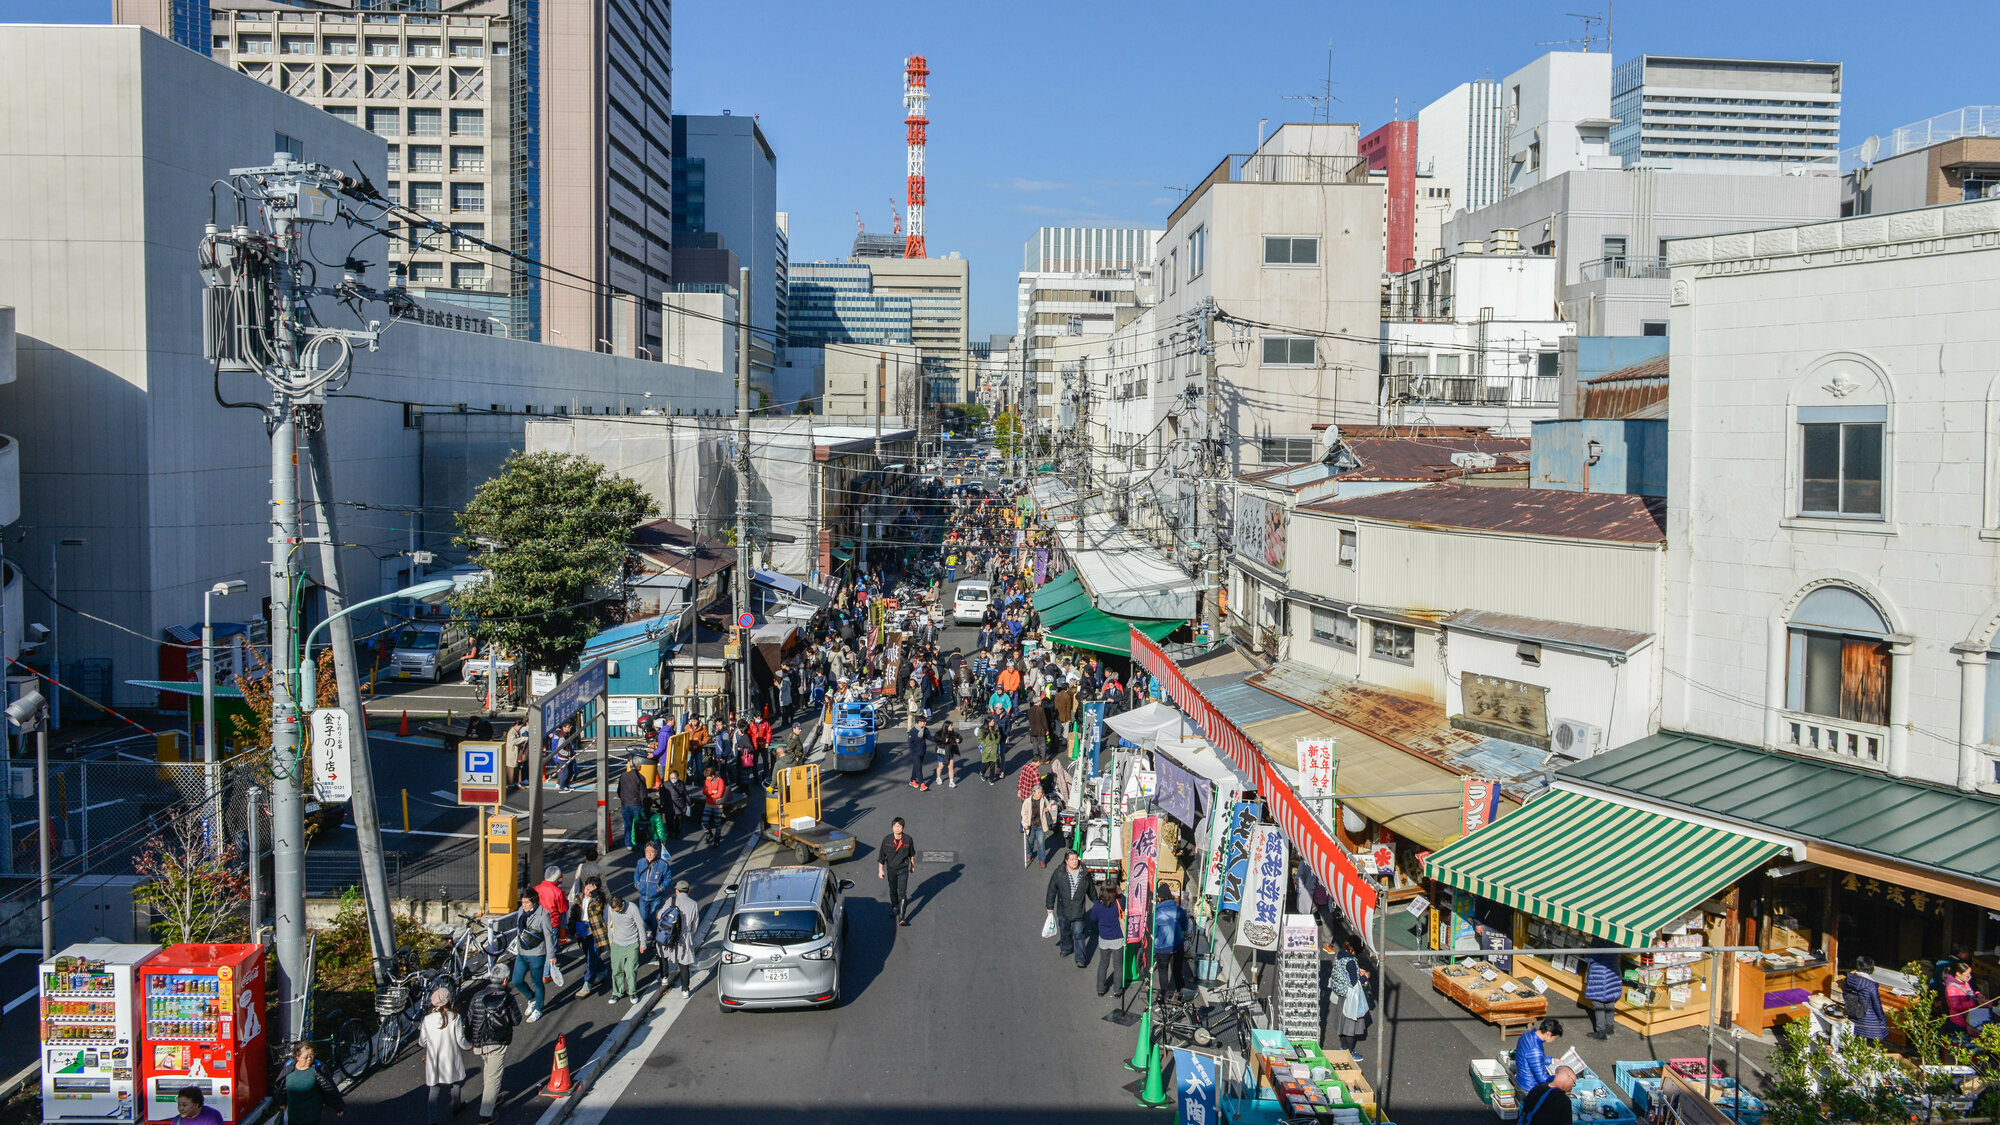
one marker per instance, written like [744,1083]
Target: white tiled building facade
[1834,522]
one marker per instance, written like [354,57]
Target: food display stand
[1778,986]
[1663,992]
[1292,1080]
[1496,997]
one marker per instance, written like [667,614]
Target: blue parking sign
[480,781]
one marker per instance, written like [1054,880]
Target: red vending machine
[202,1013]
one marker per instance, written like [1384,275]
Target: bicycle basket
[391,998]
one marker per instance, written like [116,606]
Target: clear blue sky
[1081,113]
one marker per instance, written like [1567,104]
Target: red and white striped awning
[1322,854]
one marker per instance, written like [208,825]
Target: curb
[629,1023]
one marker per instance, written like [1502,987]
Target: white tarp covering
[1124,575]
[1195,755]
[1149,723]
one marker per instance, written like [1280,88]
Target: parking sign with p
[482,778]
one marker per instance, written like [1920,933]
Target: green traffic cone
[1138,1061]
[1154,1096]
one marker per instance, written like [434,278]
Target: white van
[970,600]
[430,651]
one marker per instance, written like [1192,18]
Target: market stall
[1582,873]
[1496,997]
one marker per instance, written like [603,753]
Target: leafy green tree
[562,523]
[1003,433]
[1813,1082]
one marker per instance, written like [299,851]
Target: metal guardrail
[1623,267]
[1471,390]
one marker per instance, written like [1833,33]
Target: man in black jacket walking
[895,859]
[1071,890]
[489,1025]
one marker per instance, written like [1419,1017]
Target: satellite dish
[1870,149]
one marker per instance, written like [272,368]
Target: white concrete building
[1835,493]
[1287,241]
[1462,140]
[1950,158]
[1558,114]
[1473,340]
[1607,231]
[1072,283]
[1737,116]
[105,200]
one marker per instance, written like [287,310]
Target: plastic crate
[1625,1074]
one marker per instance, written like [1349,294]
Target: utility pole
[257,317]
[1213,466]
[742,598]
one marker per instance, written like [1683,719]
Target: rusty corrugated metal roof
[1411,723]
[666,545]
[1542,631]
[1610,517]
[1653,368]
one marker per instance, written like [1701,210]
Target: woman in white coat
[445,1044]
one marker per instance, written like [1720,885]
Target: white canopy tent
[1124,575]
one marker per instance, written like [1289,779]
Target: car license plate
[402,673]
[777,974]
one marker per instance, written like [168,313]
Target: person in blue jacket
[1603,984]
[1862,998]
[1531,1055]
[1170,941]
[652,878]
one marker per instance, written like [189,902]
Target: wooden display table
[1652,1020]
[1755,980]
[1511,1010]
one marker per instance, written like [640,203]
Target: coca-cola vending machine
[203,1020]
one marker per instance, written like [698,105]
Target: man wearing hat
[674,930]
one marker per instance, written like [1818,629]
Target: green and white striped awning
[1607,869]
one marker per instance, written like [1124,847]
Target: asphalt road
[965,1015]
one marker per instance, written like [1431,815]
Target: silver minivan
[781,947]
[430,650]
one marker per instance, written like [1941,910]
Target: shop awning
[842,554]
[1103,632]
[1613,871]
[1064,585]
[1150,723]
[1063,612]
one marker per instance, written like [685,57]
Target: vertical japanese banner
[1236,854]
[1316,766]
[1481,805]
[1196,1079]
[1093,736]
[1258,925]
[1143,863]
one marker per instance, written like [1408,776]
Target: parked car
[969,601]
[429,651]
[782,945]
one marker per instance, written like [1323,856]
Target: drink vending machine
[204,1027]
[90,1032]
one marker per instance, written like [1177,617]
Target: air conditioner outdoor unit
[1573,739]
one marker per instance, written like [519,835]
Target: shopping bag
[555,972]
[1048,925]
[1355,1005]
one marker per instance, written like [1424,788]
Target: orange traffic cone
[558,1084]
[403,729]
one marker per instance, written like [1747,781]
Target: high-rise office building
[940,295]
[1726,115]
[184,21]
[1462,143]
[726,184]
[837,303]
[1073,280]
[543,126]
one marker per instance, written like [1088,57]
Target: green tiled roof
[1893,818]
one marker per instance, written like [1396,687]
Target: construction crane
[916,104]
[895,218]
[859,226]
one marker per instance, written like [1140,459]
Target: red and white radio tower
[916,99]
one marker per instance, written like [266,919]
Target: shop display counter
[1770,989]
[1496,997]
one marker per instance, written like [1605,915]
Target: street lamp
[31,713]
[308,672]
[209,767]
[55,638]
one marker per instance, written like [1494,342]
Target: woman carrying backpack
[674,935]
[443,1037]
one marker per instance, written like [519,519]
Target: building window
[1173,270]
[384,122]
[289,145]
[426,49]
[298,44]
[426,123]
[468,123]
[1336,629]
[1291,251]
[426,196]
[1348,545]
[1653,328]
[426,158]
[427,273]
[468,158]
[1397,643]
[467,49]
[1290,351]
[340,44]
[468,197]
[1838,666]
[468,275]
[380,47]
[1285,450]
[253,45]
[1840,464]
[1197,251]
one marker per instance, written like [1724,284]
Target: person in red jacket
[550,893]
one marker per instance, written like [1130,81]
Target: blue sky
[1083,113]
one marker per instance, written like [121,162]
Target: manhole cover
[938,857]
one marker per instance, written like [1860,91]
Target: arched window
[1838,658]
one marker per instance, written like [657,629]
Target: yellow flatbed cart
[792,818]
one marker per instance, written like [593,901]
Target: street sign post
[481,778]
[746,620]
[332,756]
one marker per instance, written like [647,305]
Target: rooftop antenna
[1322,102]
[1590,35]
